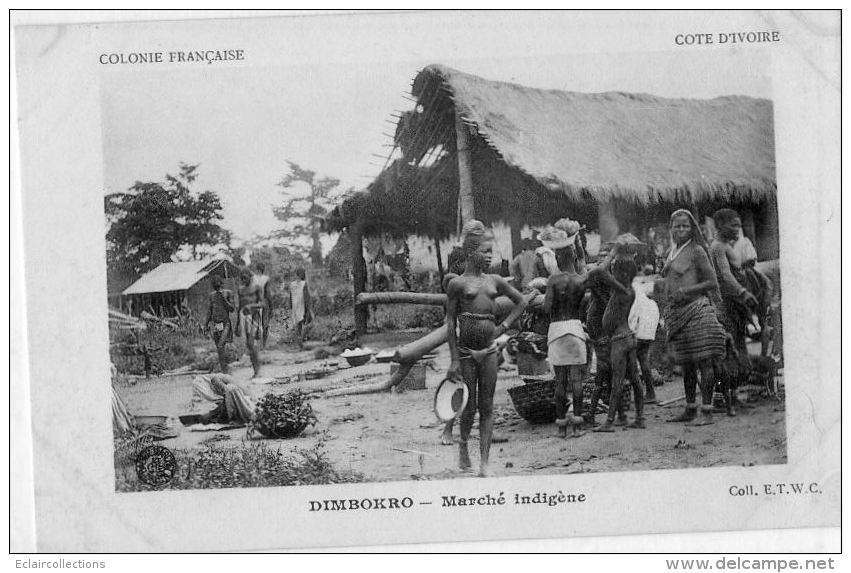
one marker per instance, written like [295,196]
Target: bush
[168,348]
[283,415]
[247,465]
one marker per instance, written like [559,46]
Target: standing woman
[471,308]
[695,337]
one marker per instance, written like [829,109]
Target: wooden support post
[608,222]
[514,226]
[358,276]
[465,171]
[439,256]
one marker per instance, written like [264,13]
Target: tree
[152,222]
[307,200]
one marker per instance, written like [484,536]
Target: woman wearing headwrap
[562,249]
[471,308]
[695,337]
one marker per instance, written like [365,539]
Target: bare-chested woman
[615,326]
[471,308]
[695,337]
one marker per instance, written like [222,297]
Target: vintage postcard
[333,280]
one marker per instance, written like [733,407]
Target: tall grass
[247,465]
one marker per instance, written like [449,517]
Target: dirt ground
[395,436]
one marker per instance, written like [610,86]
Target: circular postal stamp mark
[155,465]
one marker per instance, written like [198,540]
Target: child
[643,321]
[616,327]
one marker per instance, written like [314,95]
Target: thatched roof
[538,155]
[616,144]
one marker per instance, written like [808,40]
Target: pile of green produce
[283,415]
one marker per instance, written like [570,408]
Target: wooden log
[672,400]
[415,350]
[367,298]
[408,354]
[397,377]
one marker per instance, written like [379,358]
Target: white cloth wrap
[643,316]
[566,343]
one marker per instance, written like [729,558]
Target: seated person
[231,401]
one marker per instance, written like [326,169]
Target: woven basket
[535,402]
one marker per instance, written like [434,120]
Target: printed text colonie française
[180,57]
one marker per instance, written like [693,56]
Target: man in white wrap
[566,346]
[300,304]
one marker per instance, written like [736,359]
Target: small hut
[177,287]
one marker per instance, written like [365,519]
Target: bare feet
[607,426]
[446,438]
[686,416]
[464,457]
[705,419]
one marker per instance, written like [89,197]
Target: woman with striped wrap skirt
[695,338]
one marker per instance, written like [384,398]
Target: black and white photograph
[606,262]
[462,266]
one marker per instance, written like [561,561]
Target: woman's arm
[548,298]
[503,288]
[603,276]
[580,257]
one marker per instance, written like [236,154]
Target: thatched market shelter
[616,161]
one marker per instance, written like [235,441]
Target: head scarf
[696,233]
[698,238]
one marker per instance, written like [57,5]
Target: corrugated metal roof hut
[179,285]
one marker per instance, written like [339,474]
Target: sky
[242,124]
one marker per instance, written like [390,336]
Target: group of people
[253,306]
[707,295]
